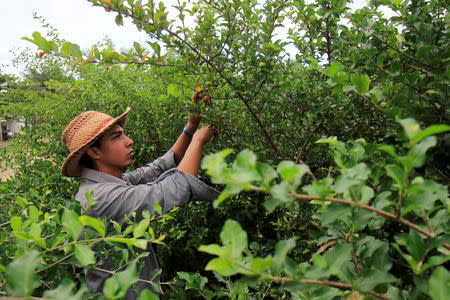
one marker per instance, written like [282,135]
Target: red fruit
[41,54]
[205,99]
[195,97]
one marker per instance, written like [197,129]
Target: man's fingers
[215,135]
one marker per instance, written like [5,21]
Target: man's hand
[206,134]
[193,122]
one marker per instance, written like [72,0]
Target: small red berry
[206,99]
[41,54]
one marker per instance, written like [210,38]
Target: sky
[76,21]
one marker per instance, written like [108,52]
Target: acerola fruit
[195,97]
[41,54]
[206,99]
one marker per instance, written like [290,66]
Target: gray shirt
[157,182]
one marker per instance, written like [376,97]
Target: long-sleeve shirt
[157,182]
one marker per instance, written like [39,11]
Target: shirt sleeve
[151,171]
[174,188]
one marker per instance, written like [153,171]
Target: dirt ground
[5,174]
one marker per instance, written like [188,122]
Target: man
[100,152]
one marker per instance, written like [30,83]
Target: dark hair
[86,160]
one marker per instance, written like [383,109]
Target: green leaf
[419,150]
[116,286]
[396,173]
[212,249]
[65,291]
[35,232]
[156,47]
[367,194]
[333,68]
[71,223]
[16,223]
[147,295]
[281,192]
[292,172]
[410,126]
[193,280]
[157,208]
[119,20]
[233,235]
[75,51]
[215,165]
[22,279]
[424,195]
[244,168]
[361,82]
[434,261]
[245,159]
[333,212]
[94,223]
[388,149]
[320,188]
[141,228]
[259,264]
[340,76]
[380,260]
[281,250]
[440,284]
[174,90]
[140,243]
[319,261]
[415,245]
[337,257]
[267,173]
[222,266]
[433,129]
[66,49]
[85,255]
[371,278]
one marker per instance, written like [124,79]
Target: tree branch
[374,210]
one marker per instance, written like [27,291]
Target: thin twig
[299,155]
[376,211]
[329,283]
[55,263]
[394,48]
[141,280]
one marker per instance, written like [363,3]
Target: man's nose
[129,141]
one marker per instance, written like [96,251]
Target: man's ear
[94,152]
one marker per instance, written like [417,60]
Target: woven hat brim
[71,166]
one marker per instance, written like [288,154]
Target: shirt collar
[100,177]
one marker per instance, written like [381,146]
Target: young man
[100,152]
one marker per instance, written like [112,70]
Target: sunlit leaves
[84,255]
[439,284]
[361,82]
[117,285]
[71,223]
[234,240]
[22,279]
[235,237]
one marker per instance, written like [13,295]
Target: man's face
[115,149]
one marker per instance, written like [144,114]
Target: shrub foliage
[332,159]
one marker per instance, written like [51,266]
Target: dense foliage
[338,182]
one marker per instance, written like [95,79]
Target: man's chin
[126,165]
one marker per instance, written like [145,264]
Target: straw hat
[81,133]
